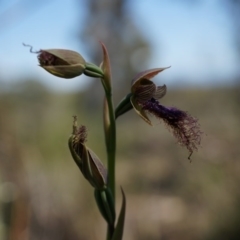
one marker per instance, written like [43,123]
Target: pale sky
[197,41]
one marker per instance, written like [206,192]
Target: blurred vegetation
[128,46]
[44,196]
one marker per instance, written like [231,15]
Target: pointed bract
[118,233]
[105,66]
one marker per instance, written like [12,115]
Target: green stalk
[110,135]
[109,129]
[110,138]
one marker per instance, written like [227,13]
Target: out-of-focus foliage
[111,22]
[44,196]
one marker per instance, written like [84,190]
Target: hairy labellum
[184,127]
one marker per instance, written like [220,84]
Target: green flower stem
[109,129]
[110,138]
[111,143]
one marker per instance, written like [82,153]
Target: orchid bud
[87,161]
[62,63]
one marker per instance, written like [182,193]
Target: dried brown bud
[88,162]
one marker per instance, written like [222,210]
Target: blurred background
[43,194]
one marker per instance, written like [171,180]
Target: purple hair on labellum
[184,127]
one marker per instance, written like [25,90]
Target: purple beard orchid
[144,98]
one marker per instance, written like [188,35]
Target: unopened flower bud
[62,63]
[88,162]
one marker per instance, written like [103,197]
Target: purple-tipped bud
[183,126]
[62,63]
[88,162]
